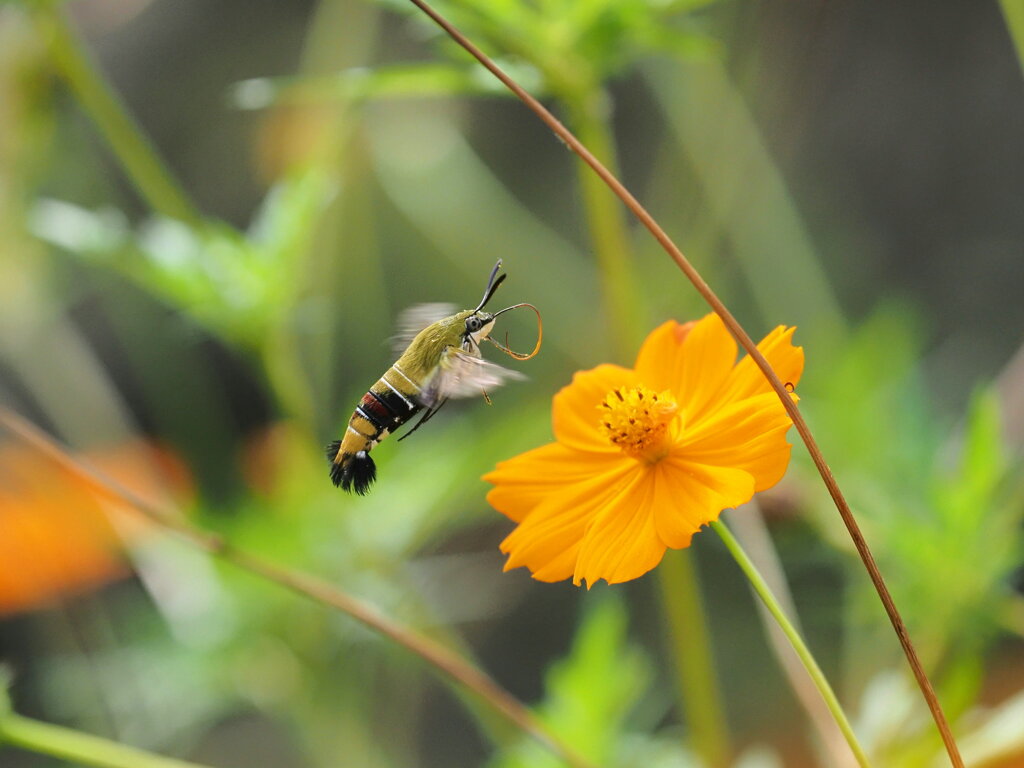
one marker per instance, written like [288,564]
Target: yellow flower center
[636,419]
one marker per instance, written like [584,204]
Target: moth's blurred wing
[414,319]
[462,374]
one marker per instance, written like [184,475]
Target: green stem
[80,748]
[696,687]
[768,598]
[587,107]
[1013,11]
[124,137]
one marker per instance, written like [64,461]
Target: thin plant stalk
[806,658]
[748,526]
[716,304]
[81,748]
[608,234]
[449,664]
[126,140]
[696,686]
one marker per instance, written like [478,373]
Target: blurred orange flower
[56,538]
[645,456]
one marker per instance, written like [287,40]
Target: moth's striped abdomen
[387,405]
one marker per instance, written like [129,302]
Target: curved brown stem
[747,343]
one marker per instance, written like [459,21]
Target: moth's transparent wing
[414,319]
[461,374]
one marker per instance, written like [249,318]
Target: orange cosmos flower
[645,456]
[56,540]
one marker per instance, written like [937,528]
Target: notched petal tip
[787,359]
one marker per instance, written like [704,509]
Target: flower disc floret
[637,420]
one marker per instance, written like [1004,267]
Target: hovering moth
[439,360]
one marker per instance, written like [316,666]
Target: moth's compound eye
[473,324]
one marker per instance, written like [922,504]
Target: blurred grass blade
[67,744]
[362,83]
[747,196]
[689,639]
[763,591]
[123,136]
[1013,11]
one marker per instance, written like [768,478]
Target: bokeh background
[199,327]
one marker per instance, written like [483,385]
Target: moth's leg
[427,415]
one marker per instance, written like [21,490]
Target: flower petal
[574,414]
[737,422]
[622,543]
[749,435]
[548,538]
[695,494]
[746,378]
[523,482]
[659,357]
[692,360]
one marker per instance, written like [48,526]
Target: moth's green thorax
[425,353]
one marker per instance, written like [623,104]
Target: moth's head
[479,324]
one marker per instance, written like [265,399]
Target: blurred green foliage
[614,677]
[375,197]
[576,45]
[940,499]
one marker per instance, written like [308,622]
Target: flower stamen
[636,420]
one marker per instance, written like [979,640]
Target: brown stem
[747,343]
[448,663]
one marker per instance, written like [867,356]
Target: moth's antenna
[492,286]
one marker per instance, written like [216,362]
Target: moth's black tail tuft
[351,472]
[337,463]
[359,473]
[332,451]
[337,474]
